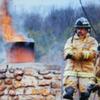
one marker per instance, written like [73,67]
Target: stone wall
[30,81]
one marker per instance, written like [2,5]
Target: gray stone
[44,82]
[3,69]
[57,72]
[2,76]
[50,97]
[49,76]
[20,91]
[8,81]
[30,72]
[28,90]
[28,81]
[44,72]
[57,77]
[55,84]
[12,92]
[1,93]
[56,92]
[18,72]
[9,75]
[2,87]
[11,70]
[18,77]
[31,97]
[4,97]
[16,98]
[39,77]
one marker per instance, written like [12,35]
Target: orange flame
[18,54]
[9,33]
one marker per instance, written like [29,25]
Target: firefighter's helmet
[82,22]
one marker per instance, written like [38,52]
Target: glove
[69,56]
[86,54]
[77,54]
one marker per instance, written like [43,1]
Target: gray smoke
[54,55]
[2,51]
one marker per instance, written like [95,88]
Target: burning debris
[19,50]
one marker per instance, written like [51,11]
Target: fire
[19,50]
[9,33]
[19,55]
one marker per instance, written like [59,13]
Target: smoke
[8,35]
[54,55]
[1,2]
[17,17]
[2,50]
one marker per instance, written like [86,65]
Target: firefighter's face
[81,32]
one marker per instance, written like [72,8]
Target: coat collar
[77,37]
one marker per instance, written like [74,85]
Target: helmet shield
[82,23]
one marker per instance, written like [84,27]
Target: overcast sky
[57,3]
[46,5]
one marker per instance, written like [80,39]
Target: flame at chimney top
[18,49]
[9,34]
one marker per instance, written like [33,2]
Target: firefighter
[79,52]
[97,87]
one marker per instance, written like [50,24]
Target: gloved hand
[77,54]
[88,55]
[69,56]
[74,54]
